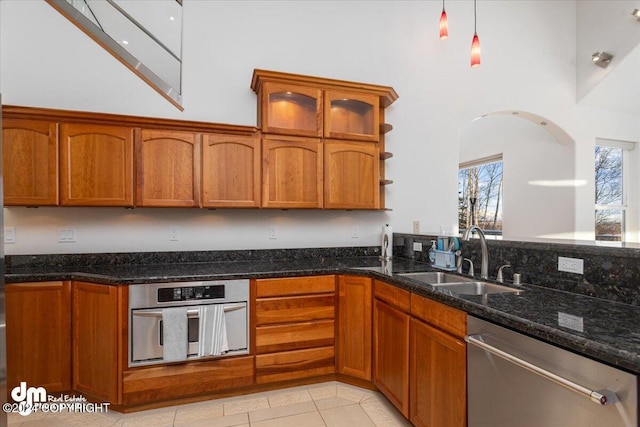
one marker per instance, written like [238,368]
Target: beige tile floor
[330,404]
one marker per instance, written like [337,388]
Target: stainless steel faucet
[484,268]
[499,277]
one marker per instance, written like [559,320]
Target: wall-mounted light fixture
[475,43]
[636,14]
[601,59]
[444,24]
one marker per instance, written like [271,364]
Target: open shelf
[385,128]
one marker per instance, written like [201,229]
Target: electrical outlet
[416,227]
[571,265]
[9,235]
[67,235]
[355,232]
[173,234]
[570,321]
[417,246]
[273,232]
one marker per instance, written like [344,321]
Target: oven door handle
[190,313]
[601,397]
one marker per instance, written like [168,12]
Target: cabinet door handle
[190,313]
[601,397]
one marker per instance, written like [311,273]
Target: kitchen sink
[437,277]
[477,288]
[459,284]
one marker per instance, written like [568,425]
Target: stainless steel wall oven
[184,316]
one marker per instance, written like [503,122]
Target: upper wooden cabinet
[75,158]
[290,110]
[350,115]
[351,175]
[230,171]
[306,106]
[292,173]
[294,104]
[96,165]
[30,162]
[167,168]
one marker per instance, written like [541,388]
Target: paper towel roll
[387,242]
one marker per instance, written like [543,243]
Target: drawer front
[296,364]
[295,336]
[444,317]
[295,286]
[392,295]
[153,384]
[295,309]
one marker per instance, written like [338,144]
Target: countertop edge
[578,344]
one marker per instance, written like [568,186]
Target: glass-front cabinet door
[291,110]
[351,116]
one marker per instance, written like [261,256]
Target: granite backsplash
[611,273]
[67,261]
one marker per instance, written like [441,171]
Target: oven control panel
[190,293]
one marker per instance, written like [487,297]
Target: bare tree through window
[609,214]
[480,197]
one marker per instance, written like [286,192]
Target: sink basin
[459,284]
[477,288]
[437,277]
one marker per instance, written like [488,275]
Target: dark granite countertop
[611,329]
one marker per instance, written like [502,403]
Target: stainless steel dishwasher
[514,380]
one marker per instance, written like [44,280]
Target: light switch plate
[9,235]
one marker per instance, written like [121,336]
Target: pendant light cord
[475,17]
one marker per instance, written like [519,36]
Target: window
[480,194]
[611,182]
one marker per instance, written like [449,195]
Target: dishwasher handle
[601,397]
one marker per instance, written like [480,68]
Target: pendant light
[475,43]
[444,24]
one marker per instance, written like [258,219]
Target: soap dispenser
[432,252]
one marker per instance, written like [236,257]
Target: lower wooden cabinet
[157,383]
[437,377]
[355,314]
[97,340]
[38,319]
[295,328]
[72,336]
[438,364]
[391,354]
[291,365]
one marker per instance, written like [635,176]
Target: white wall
[538,175]
[603,25]
[528,64]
